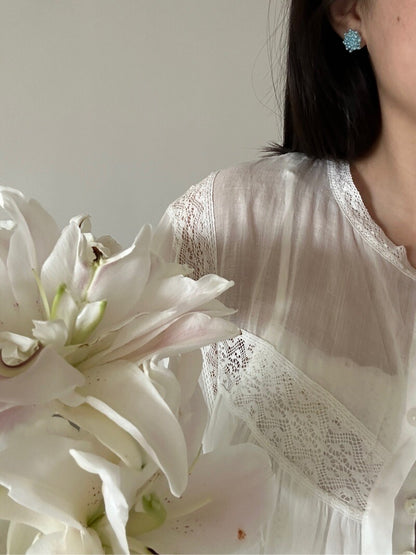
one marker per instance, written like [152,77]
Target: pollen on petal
[241,534]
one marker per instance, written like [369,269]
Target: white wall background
[115,107]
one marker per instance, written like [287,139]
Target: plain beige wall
[115,107]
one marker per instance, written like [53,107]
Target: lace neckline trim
[349,200]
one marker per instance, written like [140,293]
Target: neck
[386,179]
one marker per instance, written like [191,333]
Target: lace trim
[192,217]
[300,424]
[354,209]
[194,228]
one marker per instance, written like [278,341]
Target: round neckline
[352,205]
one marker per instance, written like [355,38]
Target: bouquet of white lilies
[101,415]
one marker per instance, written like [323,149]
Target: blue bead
[352,40]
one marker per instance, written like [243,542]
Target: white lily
[230,494]
[105,311]
[66,295]
[50,498]
[78,499]
[86,390]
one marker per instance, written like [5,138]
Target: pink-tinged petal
[46,377]
[121,391]
[115,490]
[69,263]
[121,279]
[16,416]
[131,336]
[229,498]
[186,333]
[159,334]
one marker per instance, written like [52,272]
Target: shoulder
[260,196]
[255,196]
[268,180]
[271,176]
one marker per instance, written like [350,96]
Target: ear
[344,15]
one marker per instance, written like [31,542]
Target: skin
[386,177]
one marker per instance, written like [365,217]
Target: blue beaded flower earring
[352,40]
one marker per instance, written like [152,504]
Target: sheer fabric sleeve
[186,232]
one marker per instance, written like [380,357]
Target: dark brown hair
[332,108]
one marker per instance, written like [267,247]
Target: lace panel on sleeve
[192,216]
[303,427]
[194,230]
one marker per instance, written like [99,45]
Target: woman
[320,239]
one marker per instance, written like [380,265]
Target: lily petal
[187,333]
[33,237]
[20,537]
[12,511]
[214,515]
[107,432]
[47,377]
[36,482]
[160,334]
[69,263]
[130,271]
[42,228]
[16,348]
[70,541]
[193,419]
[184,294]
[116,504]
[54,333]
[87,320]
[122,392]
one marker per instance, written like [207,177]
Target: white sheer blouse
[323,375]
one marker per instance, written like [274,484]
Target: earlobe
[344,15]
